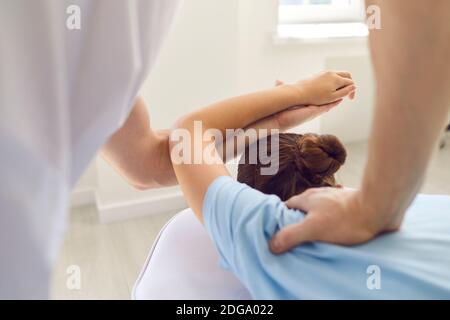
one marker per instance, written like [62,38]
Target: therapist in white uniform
[63,92]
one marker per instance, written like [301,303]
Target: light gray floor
[111,256]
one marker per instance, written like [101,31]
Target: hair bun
[320,155]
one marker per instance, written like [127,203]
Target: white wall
[198,63]
[352,120]
[218,49]
[263,60]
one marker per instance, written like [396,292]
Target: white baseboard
[128,210]
[142,207]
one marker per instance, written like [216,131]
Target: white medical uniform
[62,93]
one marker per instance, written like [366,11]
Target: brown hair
[305,161]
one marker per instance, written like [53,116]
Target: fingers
[279,83]
[293,235]
[343,82]
[326,107]
[344,74]
[309,229]
[346,91]
[301,201]
[346,80]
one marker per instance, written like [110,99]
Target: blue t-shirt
[413,263]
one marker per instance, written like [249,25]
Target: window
[320,11]
[321,18]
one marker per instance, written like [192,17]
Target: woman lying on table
[242,218]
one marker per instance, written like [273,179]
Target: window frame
[321,13]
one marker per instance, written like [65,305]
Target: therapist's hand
[334,215]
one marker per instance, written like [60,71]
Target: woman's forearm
[240,112]
[282,107]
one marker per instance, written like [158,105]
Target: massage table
[183,264]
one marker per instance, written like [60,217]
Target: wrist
[296,92]
[379,208]
[368,211]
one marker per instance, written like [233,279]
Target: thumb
[294,235]
[278,83]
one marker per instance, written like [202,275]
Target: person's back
[411,263]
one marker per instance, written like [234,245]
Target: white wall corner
[82,197]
